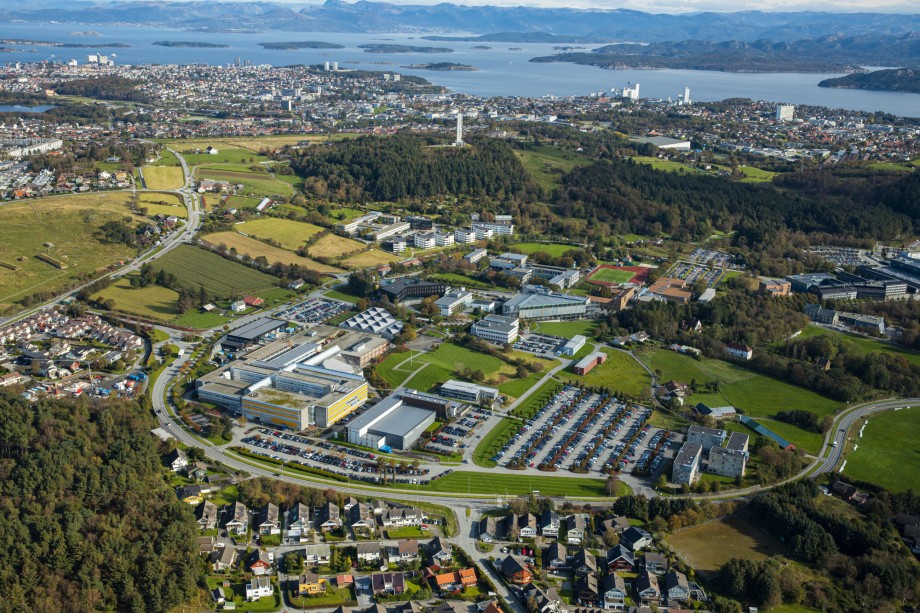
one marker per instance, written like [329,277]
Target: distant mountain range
[516,23]
[834,53]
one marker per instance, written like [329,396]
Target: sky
[685,6]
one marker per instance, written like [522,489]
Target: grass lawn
[167,159]
[329,599]
[70,224]
[345,214]
[195,267]
[405,532]
[565,329]
[334,246]
[461,280]
[666,165]
[707,547]
[162,204]
[390,370]
[289,234]
[493,441]
[546,164]
[514,388]
[197,319]
[530,406]
[886,451]
[892,167]
[153,301]
[163,177]
[612,275]
[254,249]
[619,373]
[551,249]
[238,590]
[756,175]
[227,495]
[499,484]
[371,257]
[793,608]
[242,202]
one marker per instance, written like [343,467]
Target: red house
[253,301]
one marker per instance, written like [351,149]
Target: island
[482,48]
[905,80]
[443,66]
[193,44]
[302,44]
[378,48]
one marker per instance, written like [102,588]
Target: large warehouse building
[541,306]
[395,422]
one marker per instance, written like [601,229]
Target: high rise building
[785,112]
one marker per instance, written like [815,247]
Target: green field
[344,297]
[195,267]
[566,329]
[162,204]
[757,395]
[255,249]
[546,164]
[70,225]
[166,159]
[369,258]
[334,246]
[862,345]
[152,302]
[665,165]
[707,547]
[391,371]
[345,214]
[289,234]
[493,441]
[554,250]
[163,177]
[612,275]
[887,453]
[500,484]
[254,183]
[461,280]
[620,373]
[756,175]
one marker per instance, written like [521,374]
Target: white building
[543,306]
[454,301]
[443,239]
[424,240]
[687,464]
[785,112]
[731,460]
[571,348]
[470,392]
[497,228]
[464,235]
[259,587]
[497,329]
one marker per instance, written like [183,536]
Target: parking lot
[693,272]
[457,435]
[587,432]
[543,344]
[314,310]
[840,256]
[709,257]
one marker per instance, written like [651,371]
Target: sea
[501,70]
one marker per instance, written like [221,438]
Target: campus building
[392,423]
[468,392]
[546,305]
[453,302]
[706,438]
[412,289]
[687,463]
[731,460]
[497,329]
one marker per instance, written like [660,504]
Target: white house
[259,587]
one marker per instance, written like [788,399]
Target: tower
[686,99]
[459,141]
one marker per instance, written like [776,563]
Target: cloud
[692,6]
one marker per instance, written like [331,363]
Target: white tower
[686,99]
[459,141]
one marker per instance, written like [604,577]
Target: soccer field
[612,275]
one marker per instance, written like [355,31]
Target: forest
[409,167]
[89,522]
[104,88]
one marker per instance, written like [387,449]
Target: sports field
[163,177]
[709,546]
[887,453]
[254,249]
[70,225]
[615,275]
[289,234]
[161,204]
[195,267]
[334,246]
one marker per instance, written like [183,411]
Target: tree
[612,485]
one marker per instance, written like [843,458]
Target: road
[192,204]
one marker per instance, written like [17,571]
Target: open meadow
[161,204]
[289,234]
[254,183]
[371,257]
[887,453]
[620,373]
[195,267]
[64,228]
[334,246]
[709,546]
[152,302]
[254,249]
[546,164]
[163,177]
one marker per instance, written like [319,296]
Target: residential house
[516,572]
[487,529]
[368,553]
[547,602]
[617,524]
[259,562]
[349,503]
[586,590]
[441,551]
[267,520]
[405,516]
[206,545]
[556,556]
[362,520]
[310,584]
[206,515]
[259,586]
[197,472]
[656,563]
[223,558]
[635,539]
[317,555]
[176,460]
[739,351]
[584,563]
[510,528]
[620,558]
[575,528]
[327,517]
[647,588]
[388,583]
[404,551]
[527,525]
[613,592]
[236,518]
[451,582]
[676,585]
[218,595]
[298,518]
[549,524]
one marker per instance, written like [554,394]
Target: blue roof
[764,431]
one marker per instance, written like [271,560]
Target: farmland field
[153,301]
[334,246]
[371,257]
[707,547]
[163,177]
[70,224]
[255,249]
[289,234]
[255,183]
[620,373]
[195,267]
[162,204]
[887,448]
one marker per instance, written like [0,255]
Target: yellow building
[310,584]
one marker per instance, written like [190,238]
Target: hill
[895,80]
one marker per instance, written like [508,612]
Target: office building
[785,112]
[731,460]
[687,463]
[410,288]
[393,423]
[542,306]
[706,438]
[571,348]
[453,302]
[497,329]
[468,392]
